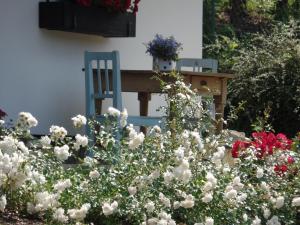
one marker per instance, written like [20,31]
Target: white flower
[209,221]
[57,132]
[245,217]
[23,148]
[188,202]
[79,214]
[80,141]
[37,178]
[236,181]
[164,200]
[210,177]
[179,152]
[259,173]
[256,221]
[61,185]
[168,177]
[3,203]
[279,202]
[242,197]
[264,186]
[267,213]
[59,215]
[44,201]
[62,153]
[94,174]
[296,201]
[109,209]
[207,198]
[2,122]
[273,221]
[79,121]
[45,141]
[136,141]
[132,190]
[123,119]
[230,194]
[89,161]
[155,129]
[182,172]
[150,206]
[176,205]
[208,186]
[113,111]
[26,120]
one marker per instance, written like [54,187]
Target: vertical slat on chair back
[198,64]
[104,58]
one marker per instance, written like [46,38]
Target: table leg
[144,98]
[220,102]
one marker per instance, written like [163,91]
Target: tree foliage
[268,70]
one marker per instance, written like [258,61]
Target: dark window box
[65,16]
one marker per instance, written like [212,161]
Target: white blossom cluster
[26,120]
[79,121]
[62,185]
[162,219]
[62,153]
[209,187]
[135,139]
[81,141]
[232,191]
[79,214]
[43,201]
[108,208]
[208,221]
[57,133]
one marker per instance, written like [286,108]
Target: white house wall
[40,70]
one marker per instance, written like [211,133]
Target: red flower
[266,143]
[127,4]
[280,169]
[84,2]
[136,7]
[290,160]
[117,4]
[237,146]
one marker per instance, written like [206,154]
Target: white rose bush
[181,172]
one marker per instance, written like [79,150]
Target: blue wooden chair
[197,64]
[108,86]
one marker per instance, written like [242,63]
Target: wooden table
[207,83]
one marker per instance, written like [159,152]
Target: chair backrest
[99,62]
[197,64]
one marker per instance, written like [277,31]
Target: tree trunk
[238,13]
[282,10]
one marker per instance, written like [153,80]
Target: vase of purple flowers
[164,52]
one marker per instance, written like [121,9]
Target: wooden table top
[184,73]
[143,81]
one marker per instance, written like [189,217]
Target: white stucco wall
[40,70]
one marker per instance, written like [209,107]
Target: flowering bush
[164,48]
[182,173]
[113,5]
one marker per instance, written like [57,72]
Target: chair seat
[144,120]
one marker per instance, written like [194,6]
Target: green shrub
[268,76]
